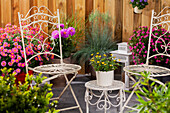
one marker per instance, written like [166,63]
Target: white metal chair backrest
[163,19]
[42,17]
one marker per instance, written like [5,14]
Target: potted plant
[104,66]
[138,5]
[11,50]
[138,45]
[23,98]
[99,37]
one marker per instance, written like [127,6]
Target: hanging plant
[138,5]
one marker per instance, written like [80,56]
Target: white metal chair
[42,18]
[163,18]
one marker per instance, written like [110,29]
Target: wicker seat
[43,17]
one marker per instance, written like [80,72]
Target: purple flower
[132,0]
[145,0]
[55,34]
[71,31]
[64,33]
[140,0]
[61,25]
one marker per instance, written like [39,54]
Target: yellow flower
[102,62]
[98,62]
[92,54]
[114,60]
[114,57]
[96,55]
[104,54]
[110,65]
[100,56]
[97,52]
[118,59]
[111,54]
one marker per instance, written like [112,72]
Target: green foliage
[158,95]
[139,3]
[98,37]
[23,98]
[102,62]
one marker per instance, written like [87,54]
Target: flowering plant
[11,51]
[139,3]
[139,45]
[67,44]
[103,62]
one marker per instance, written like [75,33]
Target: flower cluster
[139,3]
[103,62]
[11,51]
[139,45]
[64,32]
[67,42]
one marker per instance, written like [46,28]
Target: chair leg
[74,96]
[68,83]
[130,96]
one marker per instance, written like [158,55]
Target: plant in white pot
[138,5]
[104,66]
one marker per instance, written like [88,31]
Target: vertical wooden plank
[61,5]
[0,16]
[146,14]
[89,8]
[5,12]
[15,10]
[98,5]
[70,7]
[24,6]
[165,3]
[80,9]
[127,21]
[137,21]
[115,9]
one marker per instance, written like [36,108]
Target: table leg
[126,77]
[105,101]
[86,100]
[121,99]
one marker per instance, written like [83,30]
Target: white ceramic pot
[104,78]
[136,10]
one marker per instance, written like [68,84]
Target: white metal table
[124,58]
[105,95]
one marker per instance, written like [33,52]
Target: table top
[115,85]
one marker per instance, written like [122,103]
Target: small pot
[104,78]
[136,10]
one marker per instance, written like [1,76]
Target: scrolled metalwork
[162,20]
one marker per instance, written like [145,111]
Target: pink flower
[10,63]
[18,70]
[15,43]
[134,47]
[14,50]
[3,63]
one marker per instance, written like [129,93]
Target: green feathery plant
[99,37]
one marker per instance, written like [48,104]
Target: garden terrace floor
[79,89]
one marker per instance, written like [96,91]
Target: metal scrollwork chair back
[156,40]
[40,20]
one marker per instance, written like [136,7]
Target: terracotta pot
[21,77]
[104,78]
[136,10]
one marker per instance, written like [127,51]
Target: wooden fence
[125,19]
